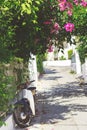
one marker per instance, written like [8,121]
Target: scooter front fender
[28,94]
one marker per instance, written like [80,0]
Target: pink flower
[69,27]
[56,26]
[69,5]
[83,3]
[76,2]
[62,6]
[50,48]
[62,1]
[69,12]
[52,31]
[65,5]
[47,22]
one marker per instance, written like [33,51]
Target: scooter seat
[31,88]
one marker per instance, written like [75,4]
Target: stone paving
[62,102]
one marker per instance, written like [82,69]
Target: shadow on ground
[58,102]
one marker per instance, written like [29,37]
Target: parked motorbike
[24,107]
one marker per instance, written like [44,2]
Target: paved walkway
[62,103]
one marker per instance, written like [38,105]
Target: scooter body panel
[27,94]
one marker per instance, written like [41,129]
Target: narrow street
[62,102]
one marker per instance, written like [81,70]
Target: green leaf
[38,2]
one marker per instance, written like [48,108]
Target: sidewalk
[64,101]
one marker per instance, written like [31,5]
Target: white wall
[32,67]
[84,70]
[75,63]
[57,63]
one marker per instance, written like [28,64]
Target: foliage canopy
[30,26]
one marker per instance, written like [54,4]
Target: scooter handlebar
[32,81]
[24,85]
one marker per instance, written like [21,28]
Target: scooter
[24,107]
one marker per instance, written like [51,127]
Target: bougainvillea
[59,19]
[65,5]
[69,27]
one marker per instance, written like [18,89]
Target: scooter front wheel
[21,118]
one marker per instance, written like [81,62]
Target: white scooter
[24,108]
